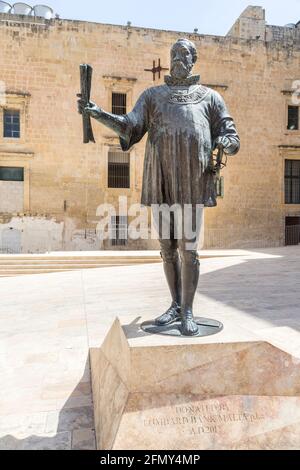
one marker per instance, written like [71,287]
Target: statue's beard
[180,70]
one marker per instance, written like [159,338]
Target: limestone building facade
[51,184]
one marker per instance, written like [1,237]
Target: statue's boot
[172,268]
[170,316]
[188,325]
[189,281]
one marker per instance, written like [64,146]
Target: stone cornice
[289,146]
[15,154]
[23,94]
[9,97]
[114,78]
[216,86]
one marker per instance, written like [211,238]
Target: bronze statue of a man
[185,121]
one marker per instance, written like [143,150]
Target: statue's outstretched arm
[118,124]
[129,127]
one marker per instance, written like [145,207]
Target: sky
[209,16]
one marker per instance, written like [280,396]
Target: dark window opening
[11,173]
[220,186]
[119,103]
[292,181]
[119,230]
[118,170]
[292,230]
[293,118]
[11,123]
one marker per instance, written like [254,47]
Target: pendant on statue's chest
[186,96]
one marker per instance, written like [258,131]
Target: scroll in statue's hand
[88,108]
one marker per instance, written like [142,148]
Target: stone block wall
[66,180]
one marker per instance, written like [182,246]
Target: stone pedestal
[220,393]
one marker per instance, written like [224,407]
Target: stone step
[19,267]
[66,257]
[85,262]
[85,254]
[19,264]
[43,271]
[71,260]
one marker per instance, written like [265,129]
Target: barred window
[220,186]
[292,230]
[11,123]
[119,103]
[8,173]
[119,230]
[118,170]
[293,118]
[292,181]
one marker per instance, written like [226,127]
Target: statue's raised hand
[88,108]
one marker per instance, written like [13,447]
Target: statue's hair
[190,45]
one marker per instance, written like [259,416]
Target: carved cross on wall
[156,69]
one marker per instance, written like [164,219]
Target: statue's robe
[182,122]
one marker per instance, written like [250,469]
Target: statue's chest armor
[181,108]
[186,96]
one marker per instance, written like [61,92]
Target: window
[11,173]
[119,228]
[11,120]
[292,181]
[220,186]
[118,170]
[293,118]
[11,189]
[119,103]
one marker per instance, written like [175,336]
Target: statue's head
[183,58]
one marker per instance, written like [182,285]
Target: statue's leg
[189,280]
[172,268]
[190,268]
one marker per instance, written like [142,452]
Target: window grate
[11,173]
[11,123]
[119,230]
[293,118]
[118,170]
[292,230]
[220,186]
[292,181]
[119,103]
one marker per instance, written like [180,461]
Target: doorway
[292,230]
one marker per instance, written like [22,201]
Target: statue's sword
[86,72]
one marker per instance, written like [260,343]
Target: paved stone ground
[48,323]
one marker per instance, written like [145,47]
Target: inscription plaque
[191,422]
